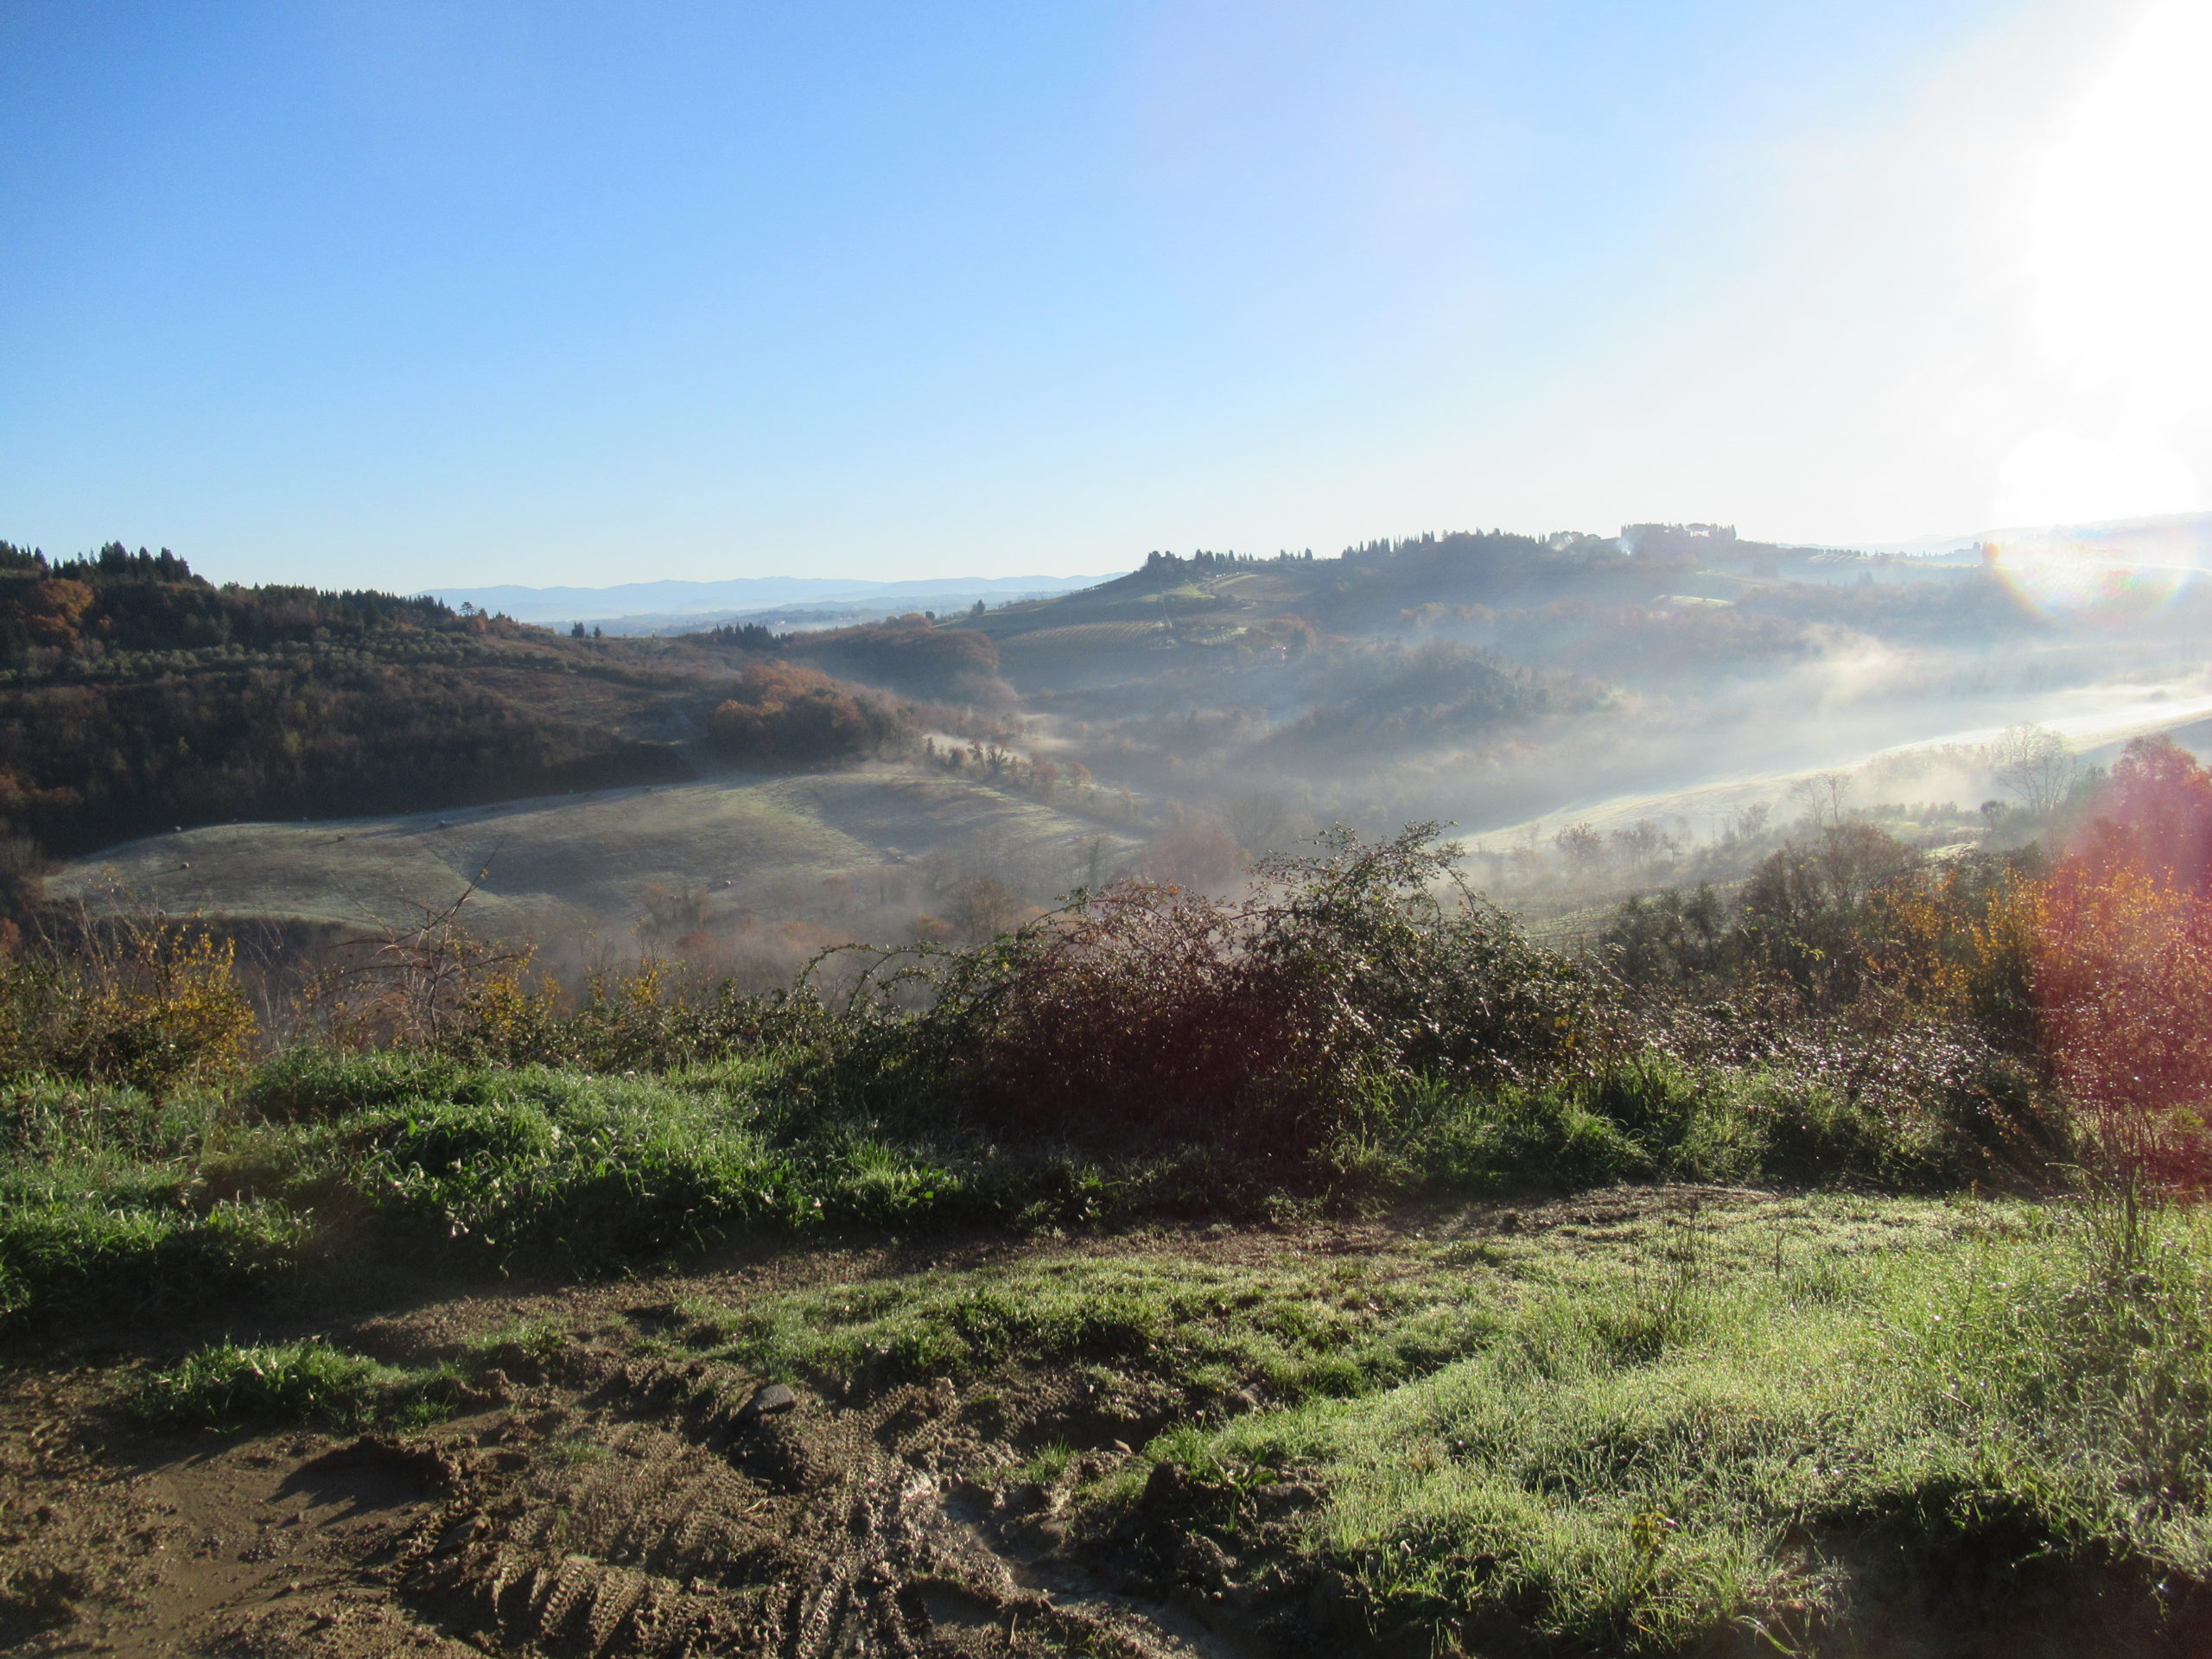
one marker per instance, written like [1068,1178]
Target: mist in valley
[1591,717]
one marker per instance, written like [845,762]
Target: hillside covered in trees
[135,696]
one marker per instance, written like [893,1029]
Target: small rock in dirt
[1204,1561]
[767,1400]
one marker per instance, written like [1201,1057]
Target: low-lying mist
[1591,723]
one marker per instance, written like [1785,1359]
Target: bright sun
[2120,242]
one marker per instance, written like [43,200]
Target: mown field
[584,863]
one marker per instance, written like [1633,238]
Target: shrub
[1255,1021]
[139,1002]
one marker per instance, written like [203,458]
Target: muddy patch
[664,1508]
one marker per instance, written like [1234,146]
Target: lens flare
[2120,242]
[2099,573]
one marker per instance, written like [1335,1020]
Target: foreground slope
[1639,1421]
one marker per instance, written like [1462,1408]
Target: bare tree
[1642,842]
[1747,821]
[982,908]
[1825,795]
[412,984]
[2033,764]
[1258,818]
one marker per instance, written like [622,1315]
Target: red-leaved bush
[2123,978]
[2123,969]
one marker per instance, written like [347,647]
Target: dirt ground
[605,1501]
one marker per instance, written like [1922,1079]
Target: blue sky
[416,295]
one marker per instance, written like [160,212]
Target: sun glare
[2118,246]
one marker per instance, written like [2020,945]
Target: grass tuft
[225,1386]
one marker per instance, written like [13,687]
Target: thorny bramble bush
[1255,1021]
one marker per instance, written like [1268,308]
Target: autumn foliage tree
[785,715]
[135,696]
[2123,971]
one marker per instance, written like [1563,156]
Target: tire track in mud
[695,1522]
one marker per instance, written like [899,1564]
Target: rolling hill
[832,851]
[376,753]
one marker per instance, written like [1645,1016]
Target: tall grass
[324,1168]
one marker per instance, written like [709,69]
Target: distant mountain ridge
[2163,531]
[740,594]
